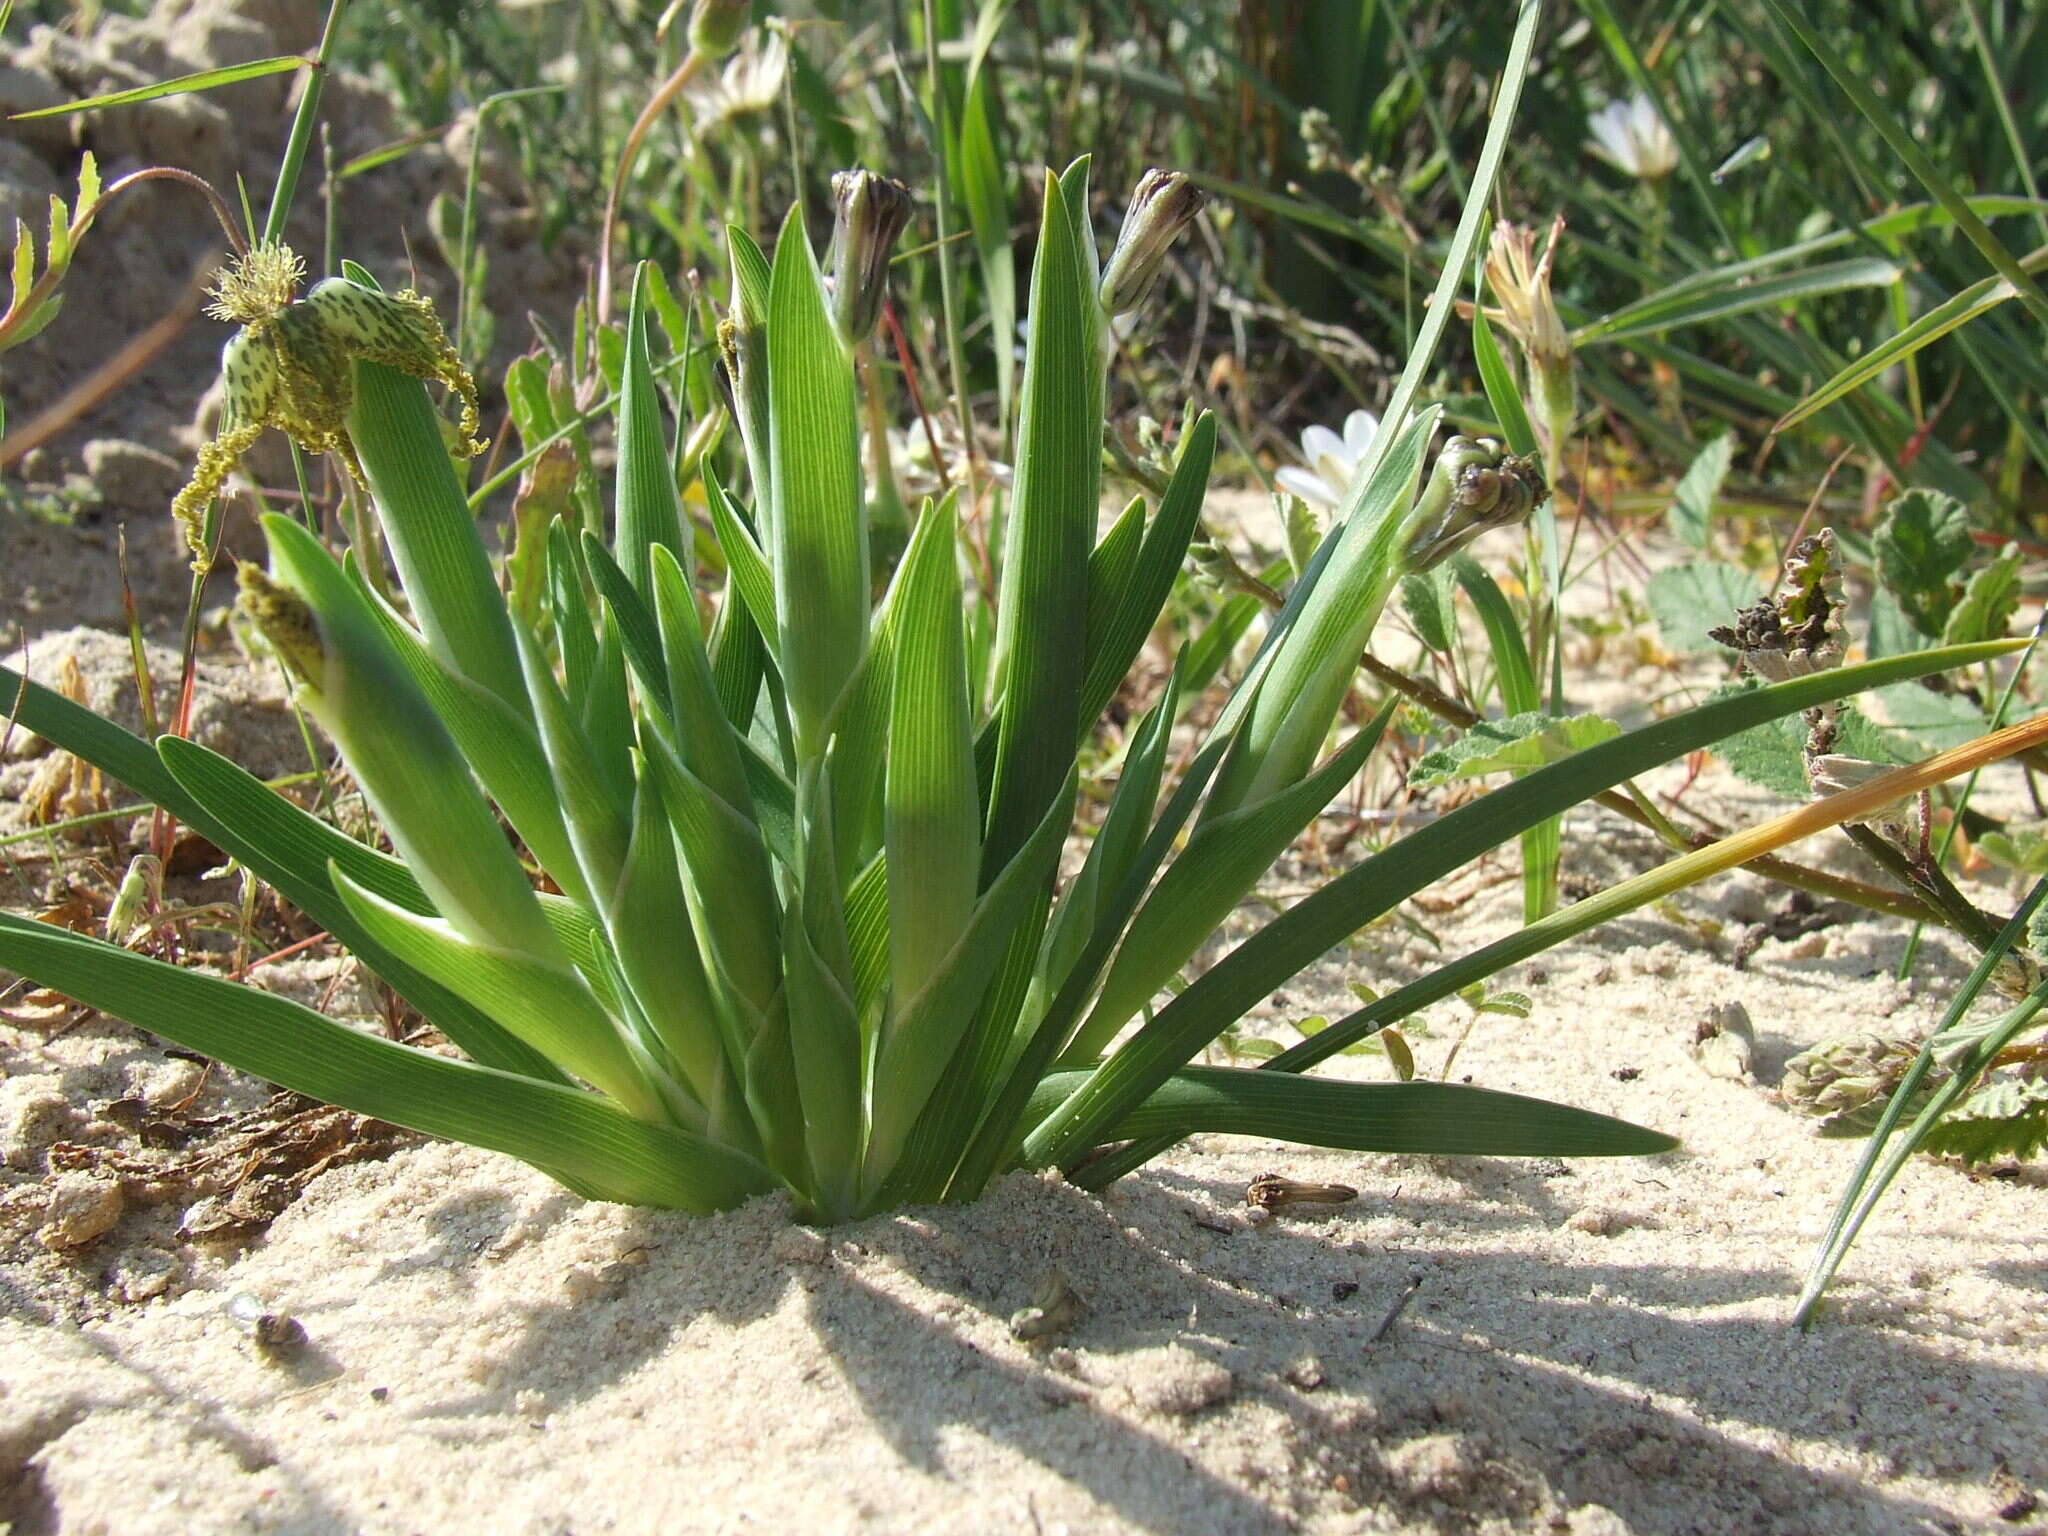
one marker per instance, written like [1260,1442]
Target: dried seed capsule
[274,1333]
[1275,1191]
[1055,1307]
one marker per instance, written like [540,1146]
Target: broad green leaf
[1513,745]
[1688,600]
[573,1135]
[403,757]
[746,566]
[544,1002]
[926,1027]
[1929,721]
[1313,667]
[500,744]
[1692,504]
[1773,755]
[824,1028]
[1988,603]
[1922,544]
[1114,645]
[292,851]
[1202,886]
[432,533]
[2008,1119]
[1042,606]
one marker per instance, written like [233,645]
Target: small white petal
[1319,442]
[1359,428]
[1307,485]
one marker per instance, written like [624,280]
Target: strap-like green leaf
[1220,864]
[545,1004]
[647,511]
[433,535]
[818,540]
[1314,665]
[570,1133]
[1114,645]
[1445,1119]
[1344,905]
[1042,608]
[932,810]
[292,851]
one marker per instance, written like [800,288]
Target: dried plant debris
[239,1171]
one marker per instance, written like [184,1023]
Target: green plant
[805,928]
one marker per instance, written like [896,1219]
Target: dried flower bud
[1164,204]
[716,26]
[1476,486]
[871,216]
[1520,280]
[1799,632]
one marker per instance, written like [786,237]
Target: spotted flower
[1632,136]
[1332,461]
[291,365]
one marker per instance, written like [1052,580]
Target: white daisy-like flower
[1632,136]
[1332,461]
[748,86]
[920,472]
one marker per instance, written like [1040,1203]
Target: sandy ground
[1588,1347]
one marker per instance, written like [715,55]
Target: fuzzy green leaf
[1513,745]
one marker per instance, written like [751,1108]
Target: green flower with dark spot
[291,365]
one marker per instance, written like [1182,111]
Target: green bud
[871,215]
[716,26]
[1164,204]
[285,620]
[1848,1074]
[1476,486]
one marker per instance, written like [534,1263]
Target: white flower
[1332,461]
[749,85]
[920,472]
[1632,137]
